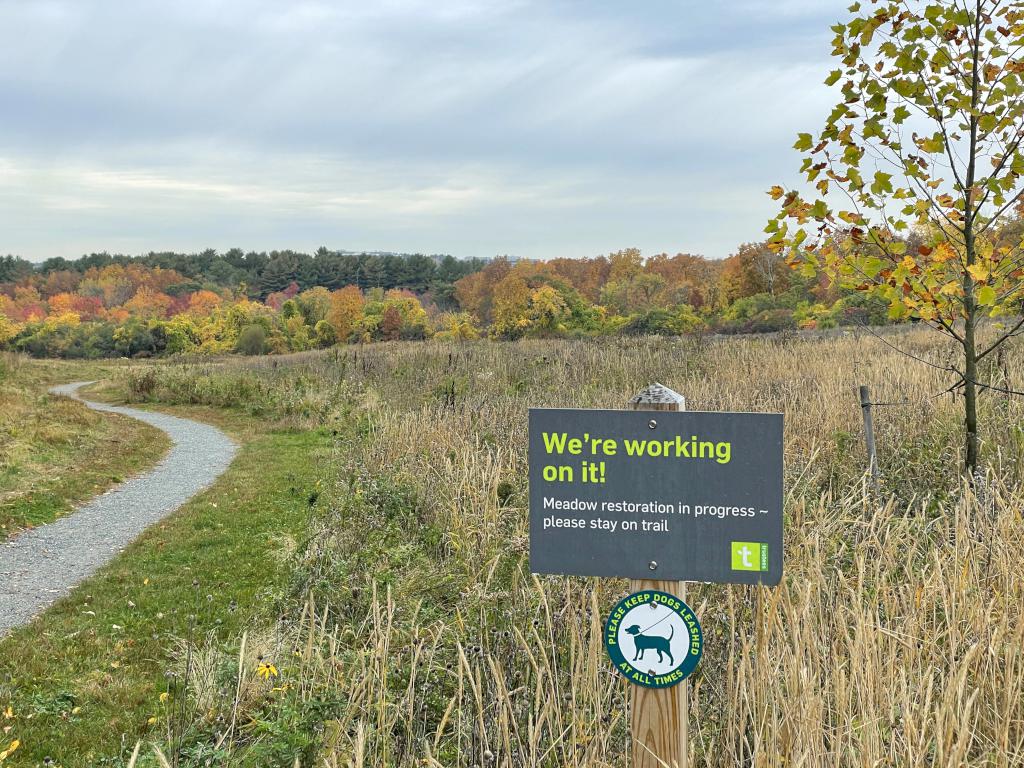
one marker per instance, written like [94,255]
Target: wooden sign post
[659,717]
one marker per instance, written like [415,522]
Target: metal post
[869,437]
[659,722]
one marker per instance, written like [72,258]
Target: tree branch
[1001,339]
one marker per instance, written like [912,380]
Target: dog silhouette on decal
[642,643]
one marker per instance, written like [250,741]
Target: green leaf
[934,145]
[833,77]
[986,296]
[873,129]
[903,87]
[897,311]
[803,142]
[882,183]
[900,114]
[876,103]
[838,113]
[872,266]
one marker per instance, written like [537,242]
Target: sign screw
[652,424]
[653,565]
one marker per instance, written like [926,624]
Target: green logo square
[749,556]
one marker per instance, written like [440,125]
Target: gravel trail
[42,565]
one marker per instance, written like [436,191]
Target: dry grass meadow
[414,634]
[55,452]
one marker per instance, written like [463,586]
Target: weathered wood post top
[657,397]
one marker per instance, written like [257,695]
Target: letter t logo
[749,556]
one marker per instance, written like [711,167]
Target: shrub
[324,333]
[252,341]
[771,320]
[651,323]
[135,339]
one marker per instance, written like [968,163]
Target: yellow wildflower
[266,670]
[10,750]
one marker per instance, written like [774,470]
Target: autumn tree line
[255,303]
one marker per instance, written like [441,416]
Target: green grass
[83,681]
[55,452]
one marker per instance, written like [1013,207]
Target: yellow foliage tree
[927,136]
[547,310]
[346,311]
[456,326]
[511,307]
[8,330]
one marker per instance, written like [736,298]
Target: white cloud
[474,127]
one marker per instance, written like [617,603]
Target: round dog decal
[653,639]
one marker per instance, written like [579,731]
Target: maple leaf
[979,272]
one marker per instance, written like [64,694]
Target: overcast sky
[535,128]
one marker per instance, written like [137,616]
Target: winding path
[42,565]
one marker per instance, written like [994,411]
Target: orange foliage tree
[346,311]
